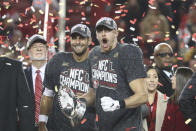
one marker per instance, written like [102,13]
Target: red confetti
[166,39]
[143,14]
[165,97]
[133,21]
[174,66]
[126,11]
[92,43]
[155,26]
[168,3]
[49,1]
[130,128]
[82,13]
[182,44]
[88,23]
[123,6]
[70,11]
[6,3]
[169,118]
[179,58]
[169,18]
[160,84]
[20,25]
[67,19]
[83,121]
[97,118]
[139,37]
[123,15]
[55,40]
[194,36]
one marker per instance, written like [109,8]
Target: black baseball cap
[107,22]
[81,29]
[34,39]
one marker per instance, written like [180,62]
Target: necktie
[38,93]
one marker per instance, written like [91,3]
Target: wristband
[83,100]
[48,92]
[43,118]
[122,104]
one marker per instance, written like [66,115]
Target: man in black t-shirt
[118,74]
[69,70]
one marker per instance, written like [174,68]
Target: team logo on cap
[82,27]
[108,21]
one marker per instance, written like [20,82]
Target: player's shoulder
[60,55]
[11,62]
[128,46]
[95,50]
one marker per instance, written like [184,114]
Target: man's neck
[38,64]
[80,58]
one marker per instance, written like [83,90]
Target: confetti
[188,121]
[165,97]
[190,87]
[179,58]
[83,121]
[133,21]
[169,18]
[121,29]
[169,118]
[130,128]
[97,118]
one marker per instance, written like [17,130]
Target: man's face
[106,38]
[79,44]
[164,57]
[38,51]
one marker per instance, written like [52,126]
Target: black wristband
[122,104]
[83,100]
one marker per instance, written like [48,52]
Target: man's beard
[80,53]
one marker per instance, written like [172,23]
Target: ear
[116,33]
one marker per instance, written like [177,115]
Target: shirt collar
[42,69]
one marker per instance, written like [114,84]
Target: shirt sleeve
[50,79]
[131,62]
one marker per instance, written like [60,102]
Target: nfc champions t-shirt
[111,74]
[62,70]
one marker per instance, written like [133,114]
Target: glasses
[165,54]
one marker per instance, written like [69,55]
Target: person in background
[174,120]
[187,102]
[163,57]
[15,97]
[37,51]
[157,102]
[68,70]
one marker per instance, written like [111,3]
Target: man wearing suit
[15,97]
[37,51]
[163,56]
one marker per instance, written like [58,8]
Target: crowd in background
[142,22]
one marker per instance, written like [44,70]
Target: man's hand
[42,127]
[108,104]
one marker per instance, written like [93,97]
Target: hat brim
[102,24]
[77,32]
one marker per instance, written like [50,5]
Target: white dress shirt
[169,74]
[34,74]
